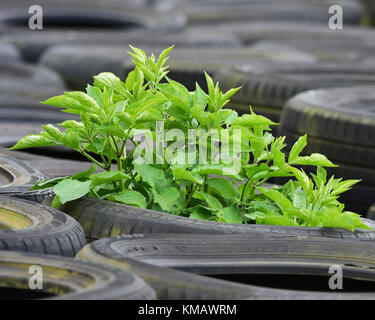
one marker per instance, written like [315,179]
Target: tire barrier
[67,279]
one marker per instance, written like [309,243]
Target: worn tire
[86,13]
[342,115]
[31,227]
[32,45]
[270,86]
[230,256]
[78,64]
[102,219]
[16,178]
[9,53]
[316,12]
[68,279]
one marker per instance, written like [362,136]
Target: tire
[16,178]
[323,49]
[211,13]
[30,227]
[49,167]
[78,64]
[16,76]
[371,212]
[253,32]
[33,45]
[9,53]
[271,86]
[103,219]
[111,14]
[340,115]
[230,257]
[11,132]
[68,279]
[349,154]
[169,284]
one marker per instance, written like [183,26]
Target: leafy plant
[114,112]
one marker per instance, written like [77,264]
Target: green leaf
[108,176]
[230,215]
[217,169]
[276,196]
[279,221]
[33,141]
[315,159]
[297,148]
[167,198]
[223,188]
[211,201]
[47,183]
[68,189]
[85,174]
[129,197]
[183,174]
[201,213]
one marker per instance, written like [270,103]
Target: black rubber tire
[317,12]
[326,51]
[9,53]
[350,154]
[17,178]
[342,115]
[78,64]
[371,212]
[252,32]
[169,284]
[16,74]
[11,132]
[270,86]
[68,279]
[102,219]
[230,255]
[32,45]
[30,227]
[86,13]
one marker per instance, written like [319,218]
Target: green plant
[113,112]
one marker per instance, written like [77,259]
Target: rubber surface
[79,63]
[317,12]
[16,178]
[33,44]
[86,13]
[101,219]
[149,254]
[342,115]
[9,53]
[30,227]
[69,279]
[271,85]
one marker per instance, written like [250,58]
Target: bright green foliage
[113,112]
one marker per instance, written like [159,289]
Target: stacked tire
[339,123]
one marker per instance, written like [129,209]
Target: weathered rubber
[79,63]
[149,254]
[342,115]
[102,219]
[18,178]
[272,85]
[30,227]
[69,279]
[317,12]
[86,13]
[33,44]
